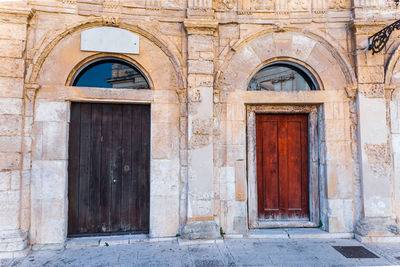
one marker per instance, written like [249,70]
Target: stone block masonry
[198,58]
[13,32]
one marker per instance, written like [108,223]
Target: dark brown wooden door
[108,170]
[282,166]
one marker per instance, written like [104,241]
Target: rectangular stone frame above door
[314,141]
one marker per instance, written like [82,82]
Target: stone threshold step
[98,241]
[296,233]
[188,242]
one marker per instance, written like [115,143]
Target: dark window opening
[283,76]
[111,73]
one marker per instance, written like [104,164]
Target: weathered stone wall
[376,158]
[14,181]
[199,57]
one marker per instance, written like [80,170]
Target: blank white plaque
[110,39]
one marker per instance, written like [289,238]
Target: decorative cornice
[200,26]
[18,15]
[351,91]
[366,26]
[17,11]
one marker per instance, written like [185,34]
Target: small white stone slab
[110,40]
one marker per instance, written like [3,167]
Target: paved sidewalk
[230,252]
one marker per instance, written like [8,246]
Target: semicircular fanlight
[283,76]
[111,73]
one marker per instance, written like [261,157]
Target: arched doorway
[53,106]
[282,147]
[331,202]
[109,155]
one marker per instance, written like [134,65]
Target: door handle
[114,181]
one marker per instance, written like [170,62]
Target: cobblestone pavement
[230,252]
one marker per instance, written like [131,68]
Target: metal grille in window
[111,73]
[282,76]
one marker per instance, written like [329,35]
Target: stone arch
[53,38]
[319,54]
[392,69]
[392,82]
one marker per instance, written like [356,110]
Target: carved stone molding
[200,26]
[339,4]
[111,4]
[372,90]
[256,5]
[172,3]
[299,5]
[263,4]
[225,4]
[351,91]
[30,93]
[111,20]
[67,3]
[30,90]
[153,4]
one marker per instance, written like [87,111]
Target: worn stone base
[98,241]
[378,239]
[55,246]
[377,227]
[13,243]
[297,233]
[200,230]
[15,254]
[187,242]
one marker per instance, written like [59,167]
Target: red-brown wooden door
[282,166]
[108,170]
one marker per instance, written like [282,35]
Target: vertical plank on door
[283,167]
[126,182]
[144,168]
[294,165]
[73,168]
[135,154]
[270,163]
[84,166]
[95,179]
[106,162]
[116,170]
[305,167]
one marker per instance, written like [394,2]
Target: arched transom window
[283,76]
[110,73]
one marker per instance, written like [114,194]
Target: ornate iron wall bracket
[378,41]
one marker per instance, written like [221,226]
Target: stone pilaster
[200,200]
[376,220]
[376,168]
[13,236]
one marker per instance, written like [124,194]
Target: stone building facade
[198,57]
